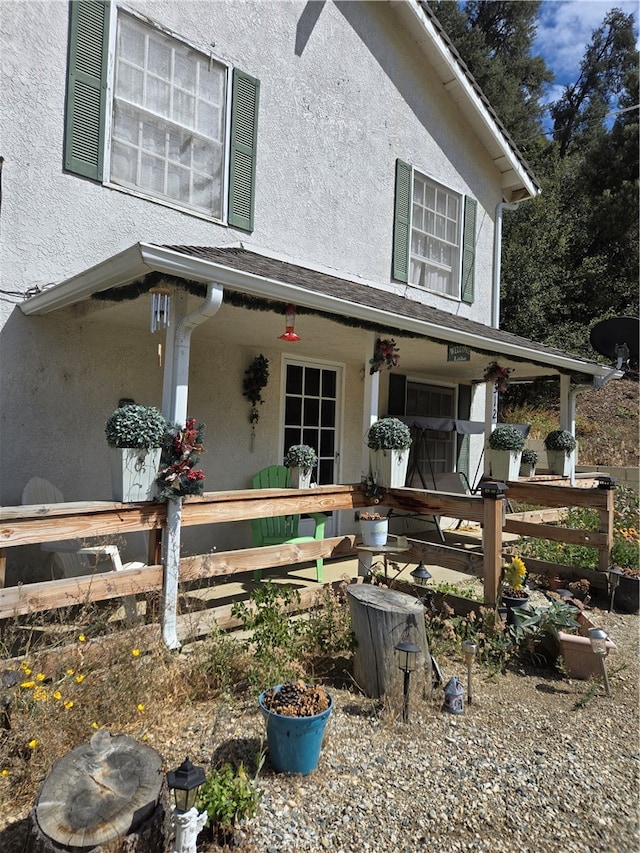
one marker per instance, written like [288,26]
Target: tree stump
[106,796]
[380,619]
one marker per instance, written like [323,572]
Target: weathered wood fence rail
[25,525]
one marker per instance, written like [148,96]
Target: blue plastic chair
[282,529]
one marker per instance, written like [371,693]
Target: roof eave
[517,181]
[143,258]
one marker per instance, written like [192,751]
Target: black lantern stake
[185,781]
[613,581]
[407,661]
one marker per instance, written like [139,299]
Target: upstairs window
[168,126]
[168,116]
[434,235]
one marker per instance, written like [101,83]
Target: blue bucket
[294,742]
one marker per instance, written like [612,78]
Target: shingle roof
[395,306]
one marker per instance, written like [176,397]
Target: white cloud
[564,30]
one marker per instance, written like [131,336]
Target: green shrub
[506,437]
[229,795]
[389,434]
[141,427]
[560,439]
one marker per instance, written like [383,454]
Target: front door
[312,406]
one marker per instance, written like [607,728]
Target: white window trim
[461,196]
[114,10]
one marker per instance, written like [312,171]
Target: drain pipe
[497,260]
[175,410]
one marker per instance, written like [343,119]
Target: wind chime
[160,311]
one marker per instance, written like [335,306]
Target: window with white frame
[160,107]
[435,237]
[168,119]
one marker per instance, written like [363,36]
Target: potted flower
[514,593]
[301,459]
[374,528]
[560,445]
[135,435]
[528,462]
[389,441]
[506,443]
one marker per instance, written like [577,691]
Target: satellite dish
[617,338]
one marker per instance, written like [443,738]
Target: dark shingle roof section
[362,294]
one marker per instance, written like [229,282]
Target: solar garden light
[613,581]
[421,577]
[469,651]
[187,821]
[598,639]
[407,661]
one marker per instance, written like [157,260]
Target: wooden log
[380,619]
[106,796]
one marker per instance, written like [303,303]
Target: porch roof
[254,273]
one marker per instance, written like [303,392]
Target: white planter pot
[527,469]
[559,462]
[389,467]
[299,478]
[374,533]
[133,473]
[505,464]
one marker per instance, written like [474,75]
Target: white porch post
[371,402]
[174,404]
[490,420]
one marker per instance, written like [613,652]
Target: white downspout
[371,402]
[175,410]
[497,261]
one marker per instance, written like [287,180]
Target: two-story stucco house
[247,155]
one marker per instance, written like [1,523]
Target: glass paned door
[311,407]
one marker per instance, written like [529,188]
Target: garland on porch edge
[255,303]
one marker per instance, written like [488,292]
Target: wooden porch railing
[24,525]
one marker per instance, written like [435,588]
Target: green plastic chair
[282,529]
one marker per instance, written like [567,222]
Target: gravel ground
[525,768]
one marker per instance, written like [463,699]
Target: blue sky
[564,30]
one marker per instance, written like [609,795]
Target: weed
[229,795]
[587,696]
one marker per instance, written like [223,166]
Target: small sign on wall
[457,352]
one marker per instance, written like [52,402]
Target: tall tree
[495,38]
[580,112]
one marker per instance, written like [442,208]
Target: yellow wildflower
[24,665]
[40,694]
[95,726]
[81,638]
[135,653]
[79,678]
[141,707]
[68,704]
[514,573]
[28,684]
[40,676]
[32,744]
[70,671]
[57,694]
[4,772]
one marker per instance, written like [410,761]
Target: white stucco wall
[342,97]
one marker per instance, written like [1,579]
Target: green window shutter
[244,138]
[468,249]
[397,394]
[86,87]
[401,220]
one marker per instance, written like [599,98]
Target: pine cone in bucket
[296,699]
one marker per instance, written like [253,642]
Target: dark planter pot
[511,603]
[627,595]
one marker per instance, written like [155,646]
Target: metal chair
[282,529]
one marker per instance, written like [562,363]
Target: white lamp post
[187,821]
